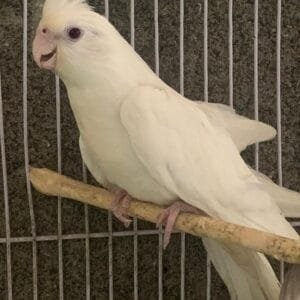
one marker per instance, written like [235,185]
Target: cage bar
[93,235]
[106,9]
[205,54]
[78,236]
[256,149]
[205,51]
[160,230]
[181,51]
[26,151]
[5,197]
[109,219]
[87,240]
[278,107]
[135,222]
[59,204]
[230,52]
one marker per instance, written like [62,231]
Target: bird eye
[74,33]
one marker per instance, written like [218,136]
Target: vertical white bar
[181,46]
[6,203]
[278,90]
[26,152]
[208,278]
[110,257]
[256,77]
[160,234]
[109,219]
[86,217]
[106,7]
[156,37]
[182,266]
[205,49]
[59,208]
[135,227]
[132,24]
[230,50]
[87,241]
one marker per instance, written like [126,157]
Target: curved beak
[44,49]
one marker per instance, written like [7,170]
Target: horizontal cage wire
[229,51]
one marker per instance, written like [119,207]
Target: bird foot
[120,205]
[169,216]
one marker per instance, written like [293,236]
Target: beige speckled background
[42,140]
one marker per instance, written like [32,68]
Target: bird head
[69,33]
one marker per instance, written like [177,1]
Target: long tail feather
[247,274]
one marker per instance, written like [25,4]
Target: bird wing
[245,132]
[242,130]
[197,161]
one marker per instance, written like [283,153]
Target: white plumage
[140,135]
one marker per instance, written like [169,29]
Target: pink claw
[169,216]
[120,206]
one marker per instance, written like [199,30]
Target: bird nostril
[44,30]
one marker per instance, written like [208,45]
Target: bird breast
[106,145]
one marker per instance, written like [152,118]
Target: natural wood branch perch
[51,183]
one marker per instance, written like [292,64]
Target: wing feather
[242,130]
[197,161]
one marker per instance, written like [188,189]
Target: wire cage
[241,53]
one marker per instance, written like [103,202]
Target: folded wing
[197,160]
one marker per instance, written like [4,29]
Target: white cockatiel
[138,134]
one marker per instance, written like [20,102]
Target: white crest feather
[51,6]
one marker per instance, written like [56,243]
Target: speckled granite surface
[43,143]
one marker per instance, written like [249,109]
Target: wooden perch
[51,183]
